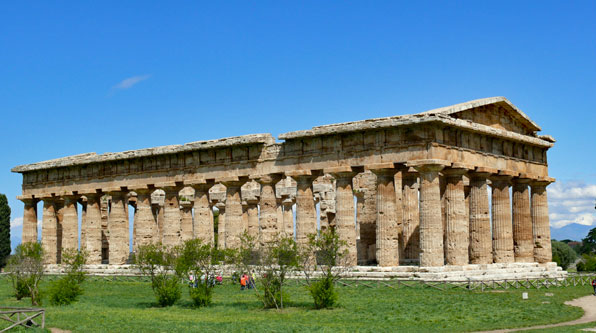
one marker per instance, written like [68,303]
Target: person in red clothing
[243,282]
[594,286]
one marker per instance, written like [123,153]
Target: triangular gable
[496,112]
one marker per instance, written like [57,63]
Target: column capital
[270,178]
[482,172]
[522,179]
[233,181]
[341,171]
[454,172]
[28,200]
[545,181]
[500,180]
[428,165]
[382,169]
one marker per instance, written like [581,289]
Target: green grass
[130,307]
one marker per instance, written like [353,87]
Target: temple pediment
[496,112]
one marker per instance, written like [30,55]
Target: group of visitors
[210,280]
[247,282]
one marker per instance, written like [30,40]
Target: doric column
[234,222]
[387,237]
[252,212]
[29,220]
[145,223]
[502,223]
[93,229]
[186,231]
[288,218]
[457,233]
[480,233]
[306,214]
[49,231]
[523,240]
[70,223]
[83,203]
[268,203]
[345,224]
[118,228]
[411,218]
[221,225]
[203,220]
[431,223]
[540,221]
[171,216]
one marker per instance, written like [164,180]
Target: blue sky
[88,76]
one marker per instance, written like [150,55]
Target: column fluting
[387,237]
[502,223]
[480,233]
[118,227]
[29,220]
[540,222]
[523,242]
[457,233]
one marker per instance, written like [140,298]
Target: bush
[587,263]
[64,291]
[157,262]
[167,290]
[563,255]
[67,289]
[323,293]
[201,295]
[326,254]
[25,269]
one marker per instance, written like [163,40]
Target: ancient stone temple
[456,186]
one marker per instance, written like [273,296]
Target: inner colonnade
[400,190]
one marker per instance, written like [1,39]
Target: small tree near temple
[25,269]
[324,262]
[4,230]
[67,289]
[272,263]
[158,262]
[199,259]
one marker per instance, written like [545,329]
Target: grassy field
[130,307]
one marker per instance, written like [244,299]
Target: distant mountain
[571,231]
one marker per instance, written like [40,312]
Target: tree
[324,261]
[25,269]
[4,230]
[563,255]
[200,260]
[273,263]
[67,289]
[589,242]
[158,262]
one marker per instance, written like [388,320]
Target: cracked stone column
[252,211]
[49,231]
[203,219]
[29,220]
[431,222]
[93,229]
[221,225]
[145,223]
[457,233]
[502,223]
[171,216]
[70,223]
[234,221]
[268,203]
[540,222]
[387,236]
[345,224]
[186,231]
[118,228]
[523,242]
[306,214]
[288,218]
[411,223]
[480,233]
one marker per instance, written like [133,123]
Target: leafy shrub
[25,269]
[201,295]
[587,263]
[64,292]
[323,293]
[326,254]
[563,255]
[67,289]
[157,262]
[167,289]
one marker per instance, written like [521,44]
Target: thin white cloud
[130,82]
[16,222]
[571,202]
